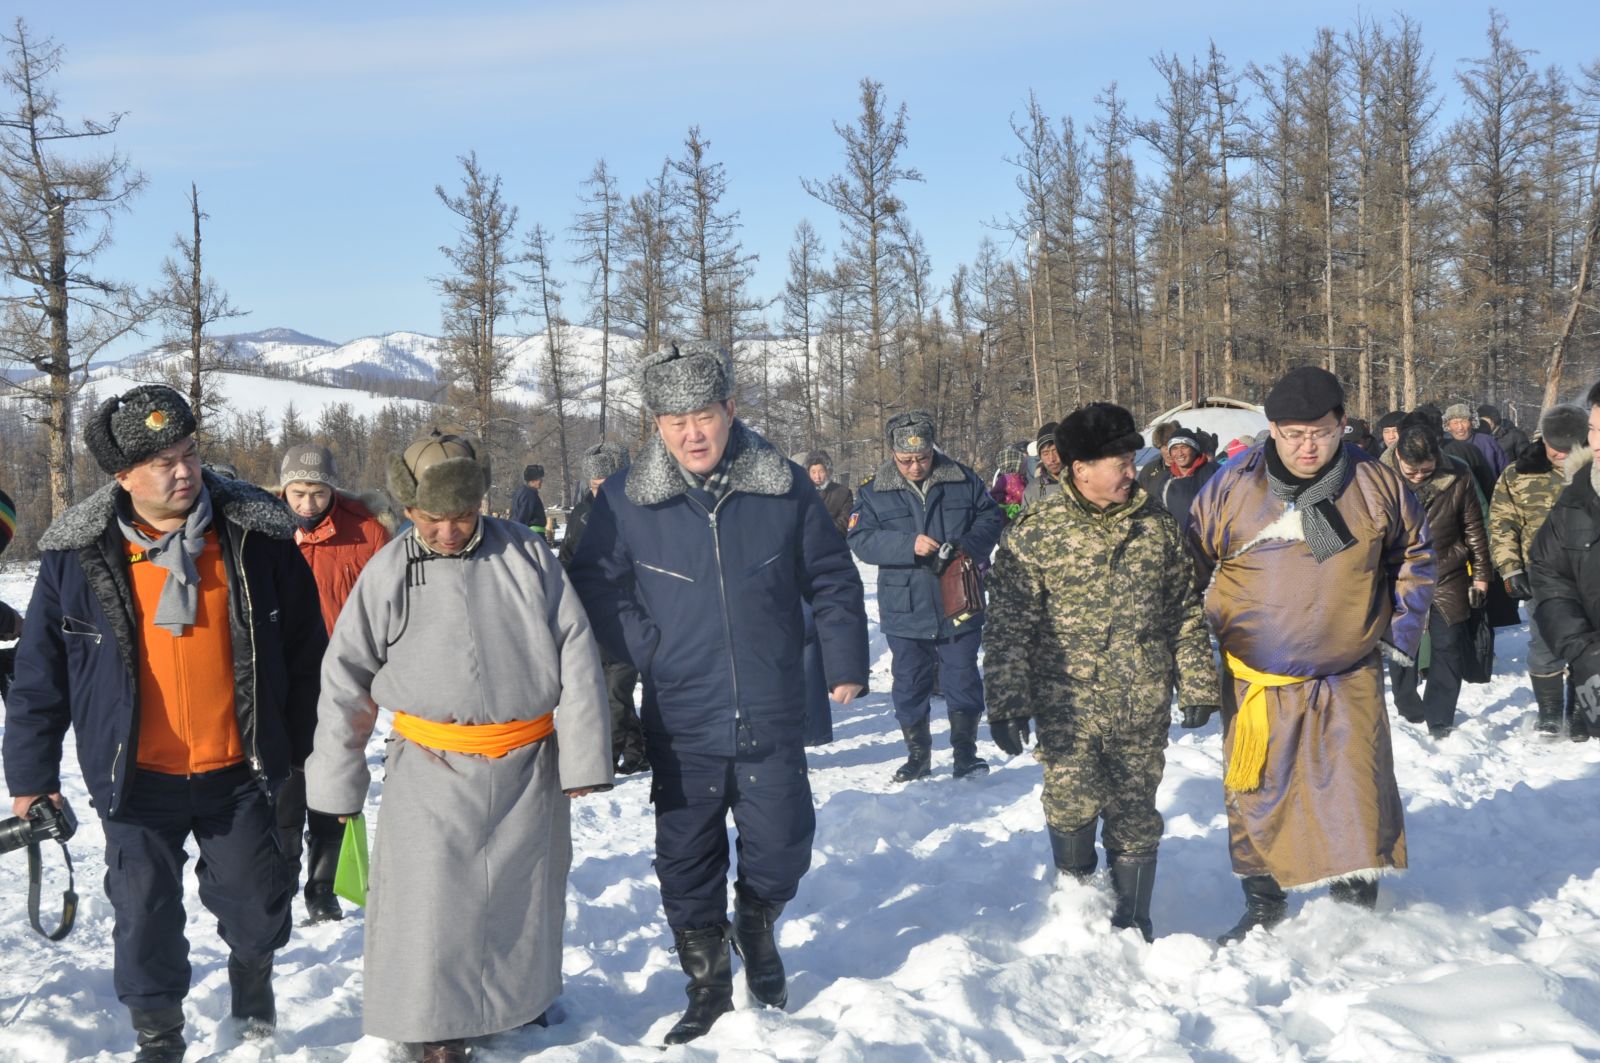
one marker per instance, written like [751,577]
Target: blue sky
[316,132]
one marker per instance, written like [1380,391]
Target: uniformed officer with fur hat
[919,501]
[695,566]
[1096,622]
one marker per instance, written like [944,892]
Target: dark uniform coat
[888,517]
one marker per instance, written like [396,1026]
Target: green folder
[350,881]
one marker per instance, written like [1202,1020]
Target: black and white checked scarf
[718,481]
[1326,531]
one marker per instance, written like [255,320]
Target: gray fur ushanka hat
[604,459]
[1564,426]
[910,432]
[442,473]
[130,427]
[684,379]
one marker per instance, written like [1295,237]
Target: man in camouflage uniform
[1099,572]
[1522,501]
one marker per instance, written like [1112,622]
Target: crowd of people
[223,653]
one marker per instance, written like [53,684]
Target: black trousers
[773,817]
[293,817]
[1436,706]
[244,880]
[621,680]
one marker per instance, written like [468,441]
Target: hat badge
[156,421]
[914,441]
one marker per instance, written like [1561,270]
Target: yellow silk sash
[1250,724]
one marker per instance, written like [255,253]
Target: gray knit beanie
[685,379]
[307,463]
[604,460]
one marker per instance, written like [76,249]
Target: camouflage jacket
[1522,501]
[1111,598]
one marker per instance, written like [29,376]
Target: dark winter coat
[1564,566]
[1460,537]
[577,520]
[888,517]
[527,508]
[704,597]
[1176,494]
[79,663]
[1511,439]
[838,501]
[1484,472]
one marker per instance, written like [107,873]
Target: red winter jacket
[338,549]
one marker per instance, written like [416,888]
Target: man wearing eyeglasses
[917,502]
[1313,557]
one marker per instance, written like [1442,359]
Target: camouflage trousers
[1106,765]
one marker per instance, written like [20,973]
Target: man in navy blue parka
[693,567]
[917,502]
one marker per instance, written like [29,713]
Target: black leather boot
[964,741]
[1550,694]
[322,864]
[1134,881]
[159,1033]
[753,941]
[1074,851]
[1355,891]
[703,954]
[919,752]
[1265,905]
[631,759]
[251,983]
[1577,721]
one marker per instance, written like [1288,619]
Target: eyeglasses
[914,460]
[1296,436]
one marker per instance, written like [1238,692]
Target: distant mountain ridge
[316,373]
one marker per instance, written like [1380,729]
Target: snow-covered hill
[931,928]
[326,368]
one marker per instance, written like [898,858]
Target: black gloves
[1196,715]
[1010,735]
[1476,598]
[1518,587]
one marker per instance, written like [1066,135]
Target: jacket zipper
[727,621]
[250,625]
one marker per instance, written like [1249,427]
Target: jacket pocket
[83,630]
[894,590]
[664,572]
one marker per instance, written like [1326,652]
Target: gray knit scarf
[1326,531]
[175,553]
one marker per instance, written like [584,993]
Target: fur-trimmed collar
[944,471]
[240,503]
[1579,458]
[758,469]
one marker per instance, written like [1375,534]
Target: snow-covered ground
[931,928]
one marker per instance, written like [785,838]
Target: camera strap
[69,900]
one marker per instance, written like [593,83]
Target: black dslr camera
[43,823]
